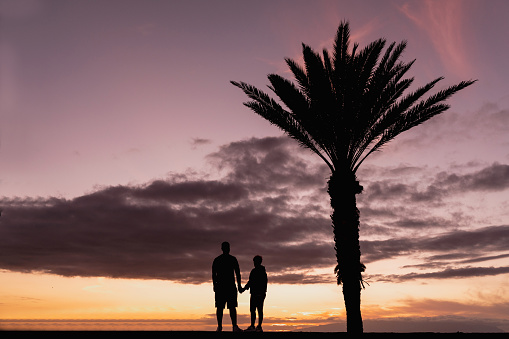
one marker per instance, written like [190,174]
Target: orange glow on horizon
[102,303]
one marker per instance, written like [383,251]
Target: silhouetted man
[224,269]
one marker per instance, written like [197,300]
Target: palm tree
[344,108]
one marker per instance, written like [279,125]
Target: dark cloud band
[271,201]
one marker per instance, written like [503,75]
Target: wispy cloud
[197,142]
[443,22]
[464,272]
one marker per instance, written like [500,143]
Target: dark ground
[227,335]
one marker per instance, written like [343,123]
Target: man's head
[225,246]
[257,260]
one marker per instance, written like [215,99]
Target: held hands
[241,289]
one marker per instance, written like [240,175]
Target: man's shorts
[257,300]
[226,297]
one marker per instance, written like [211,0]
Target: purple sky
[120,132]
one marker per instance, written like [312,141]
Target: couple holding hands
[224,270]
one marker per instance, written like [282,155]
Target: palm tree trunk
[343,187]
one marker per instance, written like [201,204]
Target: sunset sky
[127,157]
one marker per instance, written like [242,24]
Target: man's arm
[237,273]
[265,280]
[214,274]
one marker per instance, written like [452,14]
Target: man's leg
[219,316]
[233,316]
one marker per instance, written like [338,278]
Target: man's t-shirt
[224,269]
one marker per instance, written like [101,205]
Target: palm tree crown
[348,105]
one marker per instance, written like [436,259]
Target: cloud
[396,206]
[464,272]
[196,142]
[160,191]
[269,163]
[492,178]
[457,243]
[465,136]
[269,199]
[172,229]
[443,22]
[445,255]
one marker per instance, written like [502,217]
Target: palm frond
[321,97]
[417,114]
[291,96]
[268,109]
[301,109]
[300,76]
